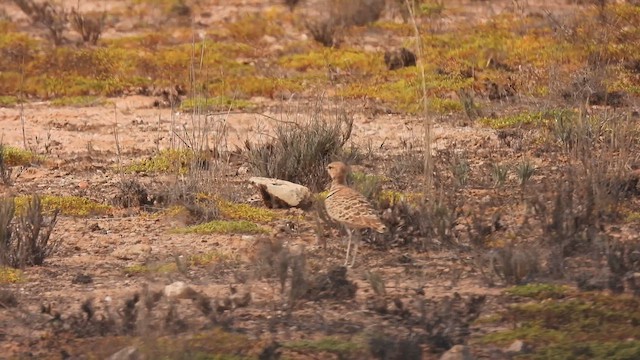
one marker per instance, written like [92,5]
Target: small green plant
[499,174]
[368,185]
[525,170]
[460,169]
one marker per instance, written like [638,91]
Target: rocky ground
[508,265]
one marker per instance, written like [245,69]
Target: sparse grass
[332,345]
[67,205]
[170,267]
[250,28]
[302,146]
[539,291]
[9,275]
[80,101]
[224,227]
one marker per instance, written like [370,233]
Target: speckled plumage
[348,207]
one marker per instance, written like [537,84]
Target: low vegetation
[224,227]
[536,193]
[65,205]
[605,325]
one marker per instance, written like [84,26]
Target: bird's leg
[346,261]
[355,248]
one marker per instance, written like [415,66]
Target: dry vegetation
[131,229]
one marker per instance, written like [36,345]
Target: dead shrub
[422,224]
[300,151]
[331,285]
[623,261]
[447,322]
[89,26]
[274,259]
[132,194]
[340,14]
[8,299]
[25,240]
[512,264]
[355,12]
[601,149]
[388,347]
[323,31]
[53,17]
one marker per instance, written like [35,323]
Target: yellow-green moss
[80,101]
[14,156]
[217,103]
[332,345]
[8,101]
[632,216]
[351,60]
[68,205]
[524,118]
[160,268]
[224,227]
[538,291]
[171,160]
[10,275]
[444,106]
[235,211]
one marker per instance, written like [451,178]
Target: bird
[349,208]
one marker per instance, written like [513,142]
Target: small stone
[458,352]
[132,252]
[177,290]
[82,279]
[517,347]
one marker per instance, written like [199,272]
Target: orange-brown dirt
[84,146]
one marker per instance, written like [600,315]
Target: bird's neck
[338,182]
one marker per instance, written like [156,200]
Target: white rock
[517,347]
[280,192]
[458,352]
[128,353]
[177,290]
